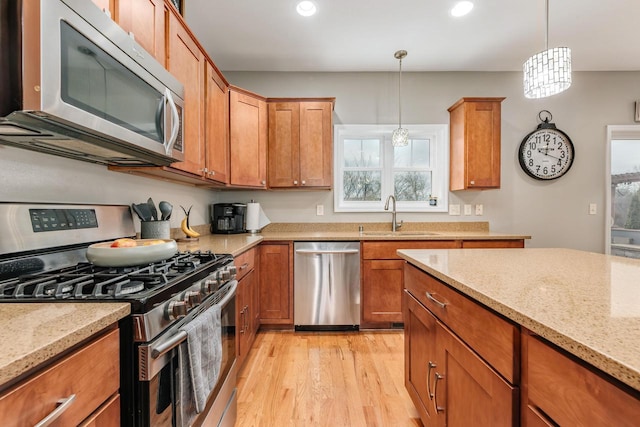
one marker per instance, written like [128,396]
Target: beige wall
[554,213]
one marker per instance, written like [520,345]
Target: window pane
[362,185]
[415,154]
[412,186]
[362,153]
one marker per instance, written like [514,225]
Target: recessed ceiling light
[461,8]
[306,8]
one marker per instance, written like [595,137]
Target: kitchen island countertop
[586,303]
[33,333]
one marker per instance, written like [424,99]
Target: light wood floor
[325,379]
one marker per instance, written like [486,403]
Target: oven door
[160,372]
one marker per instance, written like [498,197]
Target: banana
[188,230]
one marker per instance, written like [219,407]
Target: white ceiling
[362,35]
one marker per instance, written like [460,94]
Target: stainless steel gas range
[43,258]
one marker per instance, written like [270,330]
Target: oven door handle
[168,345]
[181,336]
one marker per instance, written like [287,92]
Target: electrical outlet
[593,208]
[319,210]
[454,209]
[467,209]
[479,210]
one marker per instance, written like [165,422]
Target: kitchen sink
[399,233]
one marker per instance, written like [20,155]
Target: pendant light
[400,136]
[549,72]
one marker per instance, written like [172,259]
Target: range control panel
[62,219]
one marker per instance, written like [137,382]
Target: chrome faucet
[394,223]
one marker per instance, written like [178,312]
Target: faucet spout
[394,223]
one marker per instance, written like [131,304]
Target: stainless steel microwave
[75,84]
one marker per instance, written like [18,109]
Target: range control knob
[175,310]
[224,275]
[192,298]
[209,286]
[233,270]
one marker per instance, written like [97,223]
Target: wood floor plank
[325,379]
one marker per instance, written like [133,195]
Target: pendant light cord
[546,34]
[400,96]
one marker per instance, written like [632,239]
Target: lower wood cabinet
[559,390]
[449,383]
[88,380]
[276,283]
[246,303]
[382,279]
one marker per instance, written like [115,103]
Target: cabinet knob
[472,183]
[295,182]
[304,182]
[263,182]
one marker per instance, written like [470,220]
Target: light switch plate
[319,210]
[479,210]
[454,209]
[467,209]
[593,208]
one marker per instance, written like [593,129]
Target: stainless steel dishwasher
[326,286]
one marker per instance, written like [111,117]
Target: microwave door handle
[160,117]
[175,122]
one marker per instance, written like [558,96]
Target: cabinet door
[316,144]
[145,20]
[466,391]
[420,358]
[284,144]
[186,63]
[475,143]
[382,283]
[276,285]
[216,127]
[248,125]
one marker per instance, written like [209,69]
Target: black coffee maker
[228,218]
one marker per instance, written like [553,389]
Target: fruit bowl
[146,251]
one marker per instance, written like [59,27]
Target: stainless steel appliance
[228,218]
[326,285]
[76,85]
[43,258]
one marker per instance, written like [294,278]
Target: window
[368,168]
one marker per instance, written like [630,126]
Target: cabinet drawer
[387,250]
[572,394]
[245,262]
[493,338]
[91,374]
[108,415]
[493,244]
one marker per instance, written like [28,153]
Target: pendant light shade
[548,72]
[400,136]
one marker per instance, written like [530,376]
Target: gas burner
[126,288]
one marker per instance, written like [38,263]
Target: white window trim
[437,133]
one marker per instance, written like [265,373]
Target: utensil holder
[155,230]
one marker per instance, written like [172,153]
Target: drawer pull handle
[431,366]
[55,414]
[432,298]
[435,394]
[243,266]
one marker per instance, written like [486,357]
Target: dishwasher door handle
[328,251]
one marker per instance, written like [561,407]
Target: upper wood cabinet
[300,143]
[216,126]
[474,133]
[145,20]
[248,139]
[186,62]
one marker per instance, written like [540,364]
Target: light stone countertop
[33,333]
[235,244]
[586,303]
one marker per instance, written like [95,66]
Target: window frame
[437,134]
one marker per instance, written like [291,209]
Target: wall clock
[546,153]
